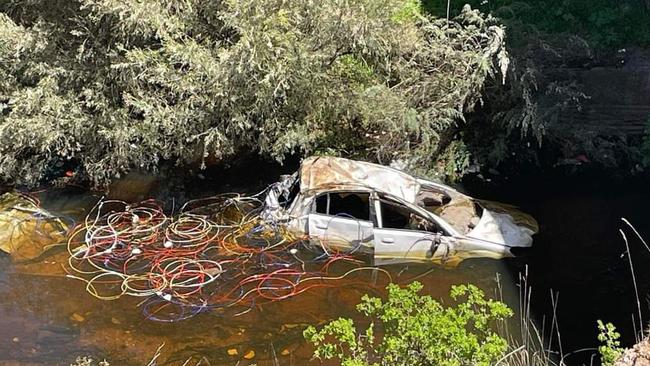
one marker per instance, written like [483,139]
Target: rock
[639,355]
[232,352]
[26,229]
[285,352]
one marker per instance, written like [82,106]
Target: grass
[530,346]
[533,346]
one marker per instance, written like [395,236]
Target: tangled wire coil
[216,253]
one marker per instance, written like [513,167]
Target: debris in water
[77,317]
[26,229]
[216,253]
[249,355]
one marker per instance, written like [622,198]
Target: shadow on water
[47,319]
[579,252]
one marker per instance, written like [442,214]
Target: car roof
[324,173]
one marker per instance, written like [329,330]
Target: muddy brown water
[47,319]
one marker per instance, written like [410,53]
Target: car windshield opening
[460,212]
[345,204]
[431,199]
[397,216]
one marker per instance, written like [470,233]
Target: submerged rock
[27,230]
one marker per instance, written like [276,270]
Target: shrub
[609,349]
[416,330]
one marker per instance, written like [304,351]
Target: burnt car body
[352,205]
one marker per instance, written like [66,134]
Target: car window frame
[371,210]
[379,196]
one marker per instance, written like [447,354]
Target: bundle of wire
[215,253]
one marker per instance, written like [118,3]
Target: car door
[342,221]
[404,235]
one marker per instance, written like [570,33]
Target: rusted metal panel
[323,173]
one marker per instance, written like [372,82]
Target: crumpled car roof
[323,173]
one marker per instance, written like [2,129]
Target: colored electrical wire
[214,253]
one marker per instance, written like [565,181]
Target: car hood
[502,228]
[520,218]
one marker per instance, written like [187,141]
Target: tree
[105,86]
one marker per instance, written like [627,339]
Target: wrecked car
[358,206]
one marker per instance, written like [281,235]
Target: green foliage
[416,330]
[609,349]
[410,11]
[550,41]
[455,160]
[604,23]
[106,86]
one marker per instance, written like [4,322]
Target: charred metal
[359,206]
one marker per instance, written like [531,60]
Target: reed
[535,346]
[531,345]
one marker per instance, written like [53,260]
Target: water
[579,252]
[47,319]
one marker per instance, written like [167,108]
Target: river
[48,319]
